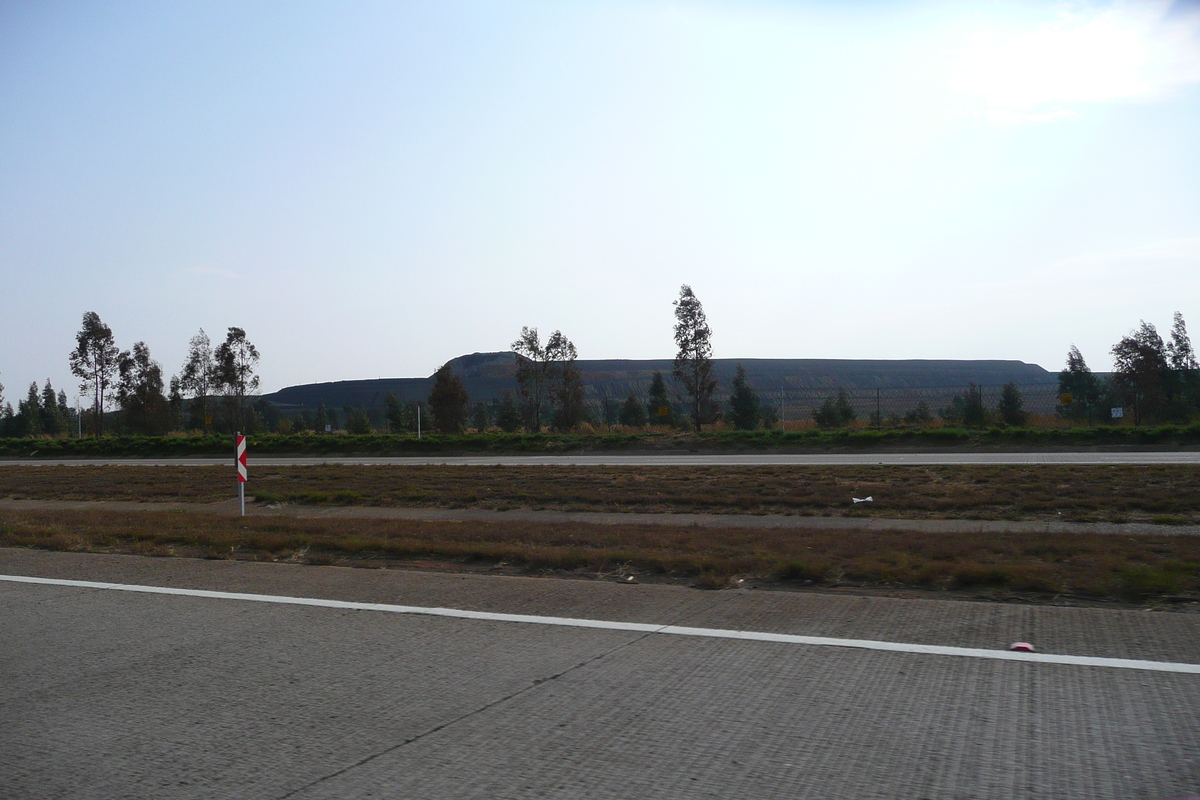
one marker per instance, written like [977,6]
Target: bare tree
[94,361]
[693,361]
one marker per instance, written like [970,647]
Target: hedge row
[382,444]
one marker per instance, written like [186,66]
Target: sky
[370,189]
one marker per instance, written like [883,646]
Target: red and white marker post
[243,474]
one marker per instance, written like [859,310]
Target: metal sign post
[243,474]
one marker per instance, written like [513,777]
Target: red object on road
[243,474]
[1021,647]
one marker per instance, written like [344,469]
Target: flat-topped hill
[488,375]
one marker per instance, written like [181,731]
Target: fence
[914,406]
[962,405]
[884,406]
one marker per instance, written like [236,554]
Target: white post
[418,420]
[242,496]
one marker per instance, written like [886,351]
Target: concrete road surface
[1172,456]
[109,694]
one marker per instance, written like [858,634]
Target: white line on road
[638,627]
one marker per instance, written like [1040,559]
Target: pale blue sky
[370,189]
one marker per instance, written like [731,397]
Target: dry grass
[1096,566]
[1085,493]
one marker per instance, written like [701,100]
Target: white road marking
[636,627]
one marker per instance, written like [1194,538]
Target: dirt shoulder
[740,521]
[1080,565]
[1044,493]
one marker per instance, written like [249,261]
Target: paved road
[673,460]
[111,694]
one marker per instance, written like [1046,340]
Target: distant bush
[659,440]
[835,413]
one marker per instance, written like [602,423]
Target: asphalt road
[111,694]
[672,460]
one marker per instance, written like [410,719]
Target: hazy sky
[371,189]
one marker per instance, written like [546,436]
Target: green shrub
[1141,582]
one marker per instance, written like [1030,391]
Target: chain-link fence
[971,406]
[959,404]
[956,405]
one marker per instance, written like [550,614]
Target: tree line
[1153,381]
[1156,381]
[211,392]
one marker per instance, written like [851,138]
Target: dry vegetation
[1158,493]
[1087,566]
[1075,565]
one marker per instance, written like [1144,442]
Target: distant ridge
[488,375]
